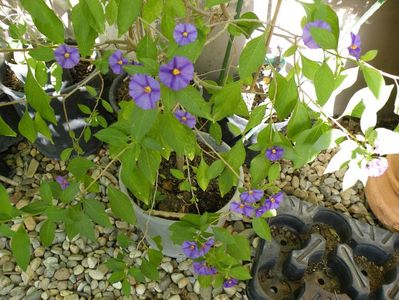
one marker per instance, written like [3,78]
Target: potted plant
[158,137]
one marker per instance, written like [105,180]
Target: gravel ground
[73,270]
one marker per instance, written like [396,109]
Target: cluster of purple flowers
[354,49]
[250,203]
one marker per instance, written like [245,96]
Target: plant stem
[269,33]
[223,76]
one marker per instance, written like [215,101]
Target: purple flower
[190,249]
[251,196]
[185,34]
[116,62]
[185,118]
[376,167]
[228,283]
[261,210]
[62,182]
[307,36]
[242,208]
[204,249]
[177,74]
[66,56]
[144,90]
[201,268]
[274,153]
[274,201]
[354,48]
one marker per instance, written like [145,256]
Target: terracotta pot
[382,194]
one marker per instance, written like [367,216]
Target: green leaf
[240,249]
[374,80]
[255,117]
[223,235]
[128,12]
[210,3]
[192,101]
[66,153]
[20,247]
[149,270]
[152,9]
[324,83]
[38,99]
[6,231]
[244,27]
[369,55]
[223,108]
[240,273]
[123,240]
[56,76]
[252,56]
[116,276]
[85,109]
[290,51]
[115,264]
[177,174]
[17,31]
[146,48]
[112,136]
[5,129]
[79,166]
[216,132]
[137,274]
[43,128]
[5,205]
[287,95]
[261,228]
[96,211]
[27,127]
[107,106]
[36,207]
[87,134]
[121,205]
[95,15]
[299,121]
[126,287]
[47,233]
[202,177]
[45,20]
[155,256]
[324,38]
[45,191]
[143,121]
[274,172]
[42,53]
[84,34]
[70,192]
[111,12]
[259,168]
[149,162]
[309,67]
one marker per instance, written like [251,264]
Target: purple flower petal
[242,208]
[185,118]
[354,48]
[144,90]
[251,196]
[177,74]
[200,268]
[273,202]
[62,181]
[261,210]
[185,34]
[67,57]
[307,36]
[230,282]
[377,167]
[205,247]
[117,61]
[190,249]
[274,153]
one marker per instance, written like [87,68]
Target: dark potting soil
[175,200]
[81,71]
[11,81]
[122,93]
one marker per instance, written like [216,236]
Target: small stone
[176,277]
[255,242]
[192,296]
[320,170]
[36,295]
[183,283]
[330,181]
[164,283]
[185,265]
[117,285]
[346,195]
[340,207]
[300,194]
[49,167]
[140,289]
[197,287]
[175,297]
[30,223]
[78,270]
[238,226]
[167,267]
[62,274]
[206,293]
[92,262]
[97,274]
[32,168]
[358,208]
[71,297]
[313,177]
[295,182]
[76,257]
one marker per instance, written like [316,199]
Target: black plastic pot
[61,137]
[290,268]
[116,83]
[10,116]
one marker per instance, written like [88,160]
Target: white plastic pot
[153,226]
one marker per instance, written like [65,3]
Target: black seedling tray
[319,254]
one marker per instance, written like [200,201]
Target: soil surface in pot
[122,92]
[11,80]
[176,200]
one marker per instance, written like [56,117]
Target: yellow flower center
[353,47]
[242,205]
[192,247]
[120,62]
[184,118]
[272,200]
[274,151]
[147,89]
[176,72]
[67,55]
[250,192]
[185,33]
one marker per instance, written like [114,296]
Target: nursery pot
[76,117]
[112,96]
[382,194]
[153,226]
[10,116]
